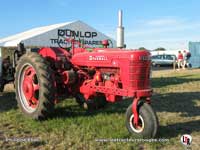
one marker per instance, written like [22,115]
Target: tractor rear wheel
[34,86]
[92,104]
[148,121]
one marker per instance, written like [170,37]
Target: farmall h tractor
[92,77]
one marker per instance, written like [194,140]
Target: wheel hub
[30,86]
[136,127]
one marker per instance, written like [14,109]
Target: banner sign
[85,37]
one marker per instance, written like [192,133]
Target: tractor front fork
[135,110]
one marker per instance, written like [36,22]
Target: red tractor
[93,76]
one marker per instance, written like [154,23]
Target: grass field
[176,100]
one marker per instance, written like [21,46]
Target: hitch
[2,84]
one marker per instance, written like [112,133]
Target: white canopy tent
[55,35]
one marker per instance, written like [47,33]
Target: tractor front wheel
[34,86]
[147,123]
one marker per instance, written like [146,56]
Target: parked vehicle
[163,60]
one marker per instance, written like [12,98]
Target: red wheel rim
[30,87]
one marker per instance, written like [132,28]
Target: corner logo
[186,139]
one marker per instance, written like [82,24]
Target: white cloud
[149,29]
[164,22]
[169,45]
[171,33]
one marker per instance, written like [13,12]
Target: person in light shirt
[180,60]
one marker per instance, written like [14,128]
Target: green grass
[176,100]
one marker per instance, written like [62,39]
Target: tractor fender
[55,54]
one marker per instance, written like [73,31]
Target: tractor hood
[109,57]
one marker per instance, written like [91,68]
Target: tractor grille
[139,73]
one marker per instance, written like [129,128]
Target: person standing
[180,60]
[187,59]
[184,59]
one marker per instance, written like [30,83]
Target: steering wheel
[67,43]
[110,43]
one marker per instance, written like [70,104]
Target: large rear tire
[148,121]
[34,86]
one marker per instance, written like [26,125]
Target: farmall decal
[102,58]
[86,38]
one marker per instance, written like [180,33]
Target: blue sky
[149,23]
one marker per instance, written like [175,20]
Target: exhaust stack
[120,31]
